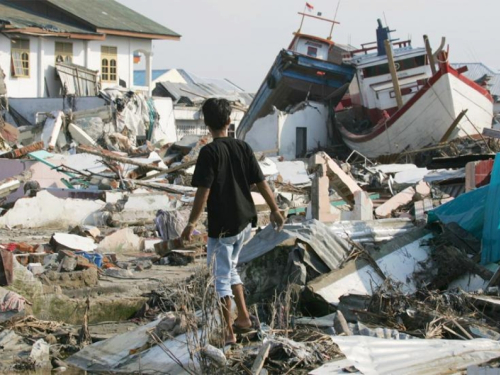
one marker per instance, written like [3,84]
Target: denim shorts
[222,258]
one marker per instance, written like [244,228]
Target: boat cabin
[311,46]
[373,89]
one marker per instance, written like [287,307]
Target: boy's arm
[276,219]
[200,199]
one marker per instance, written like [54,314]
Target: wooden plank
[258,364]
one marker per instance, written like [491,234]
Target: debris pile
[397,253]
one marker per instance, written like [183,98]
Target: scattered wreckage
[384,266]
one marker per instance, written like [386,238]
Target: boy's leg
[219,253]
[243,319]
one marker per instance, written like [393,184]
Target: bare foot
[230,338]
[243,323]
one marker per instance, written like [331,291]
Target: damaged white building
[101,37]
[293,133]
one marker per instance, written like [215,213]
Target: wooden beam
[134,34]
[430,55]
[394,74]
[42,32]
[453,125]
[319,18]
[258,364]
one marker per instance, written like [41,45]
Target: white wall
[264,133]
[19,87]
[49,60]
[126,48]
[85,53]
[314,117]
[278,130]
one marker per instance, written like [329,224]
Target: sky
[239,40]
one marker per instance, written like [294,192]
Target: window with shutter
[20,58]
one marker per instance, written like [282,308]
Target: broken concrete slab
[292,172]
[400,199]
[73,242]
[141,200]
[121,241]
[398,260]
[51,129]
[47,211]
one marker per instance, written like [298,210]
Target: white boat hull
[428,118]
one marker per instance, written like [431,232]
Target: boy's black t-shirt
[228,167]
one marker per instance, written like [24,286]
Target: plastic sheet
[467,210]
[491,230]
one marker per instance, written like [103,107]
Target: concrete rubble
[383,266]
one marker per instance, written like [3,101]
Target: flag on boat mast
[309,7]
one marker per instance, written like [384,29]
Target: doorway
[300,142]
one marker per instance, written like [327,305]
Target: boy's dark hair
[216,113]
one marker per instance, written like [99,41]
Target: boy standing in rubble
[225,170]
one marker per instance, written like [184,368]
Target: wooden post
[394,75]
[453,126]
[430,55]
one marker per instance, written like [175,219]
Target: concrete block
[80,136]
[363,208]
[422,190]
[400,199]
[330,174]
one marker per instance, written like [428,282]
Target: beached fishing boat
[422,102]
[306,70]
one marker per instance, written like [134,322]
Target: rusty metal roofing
[109,14]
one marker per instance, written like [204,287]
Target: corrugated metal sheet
[77,79]
[109,14]
[116,354]
[375,356]
[478,70]
[329,247]
[18,17]
[192,93]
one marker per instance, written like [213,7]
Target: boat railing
[350,54]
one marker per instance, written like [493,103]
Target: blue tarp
[491,231]
[467,210]
[478,212]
